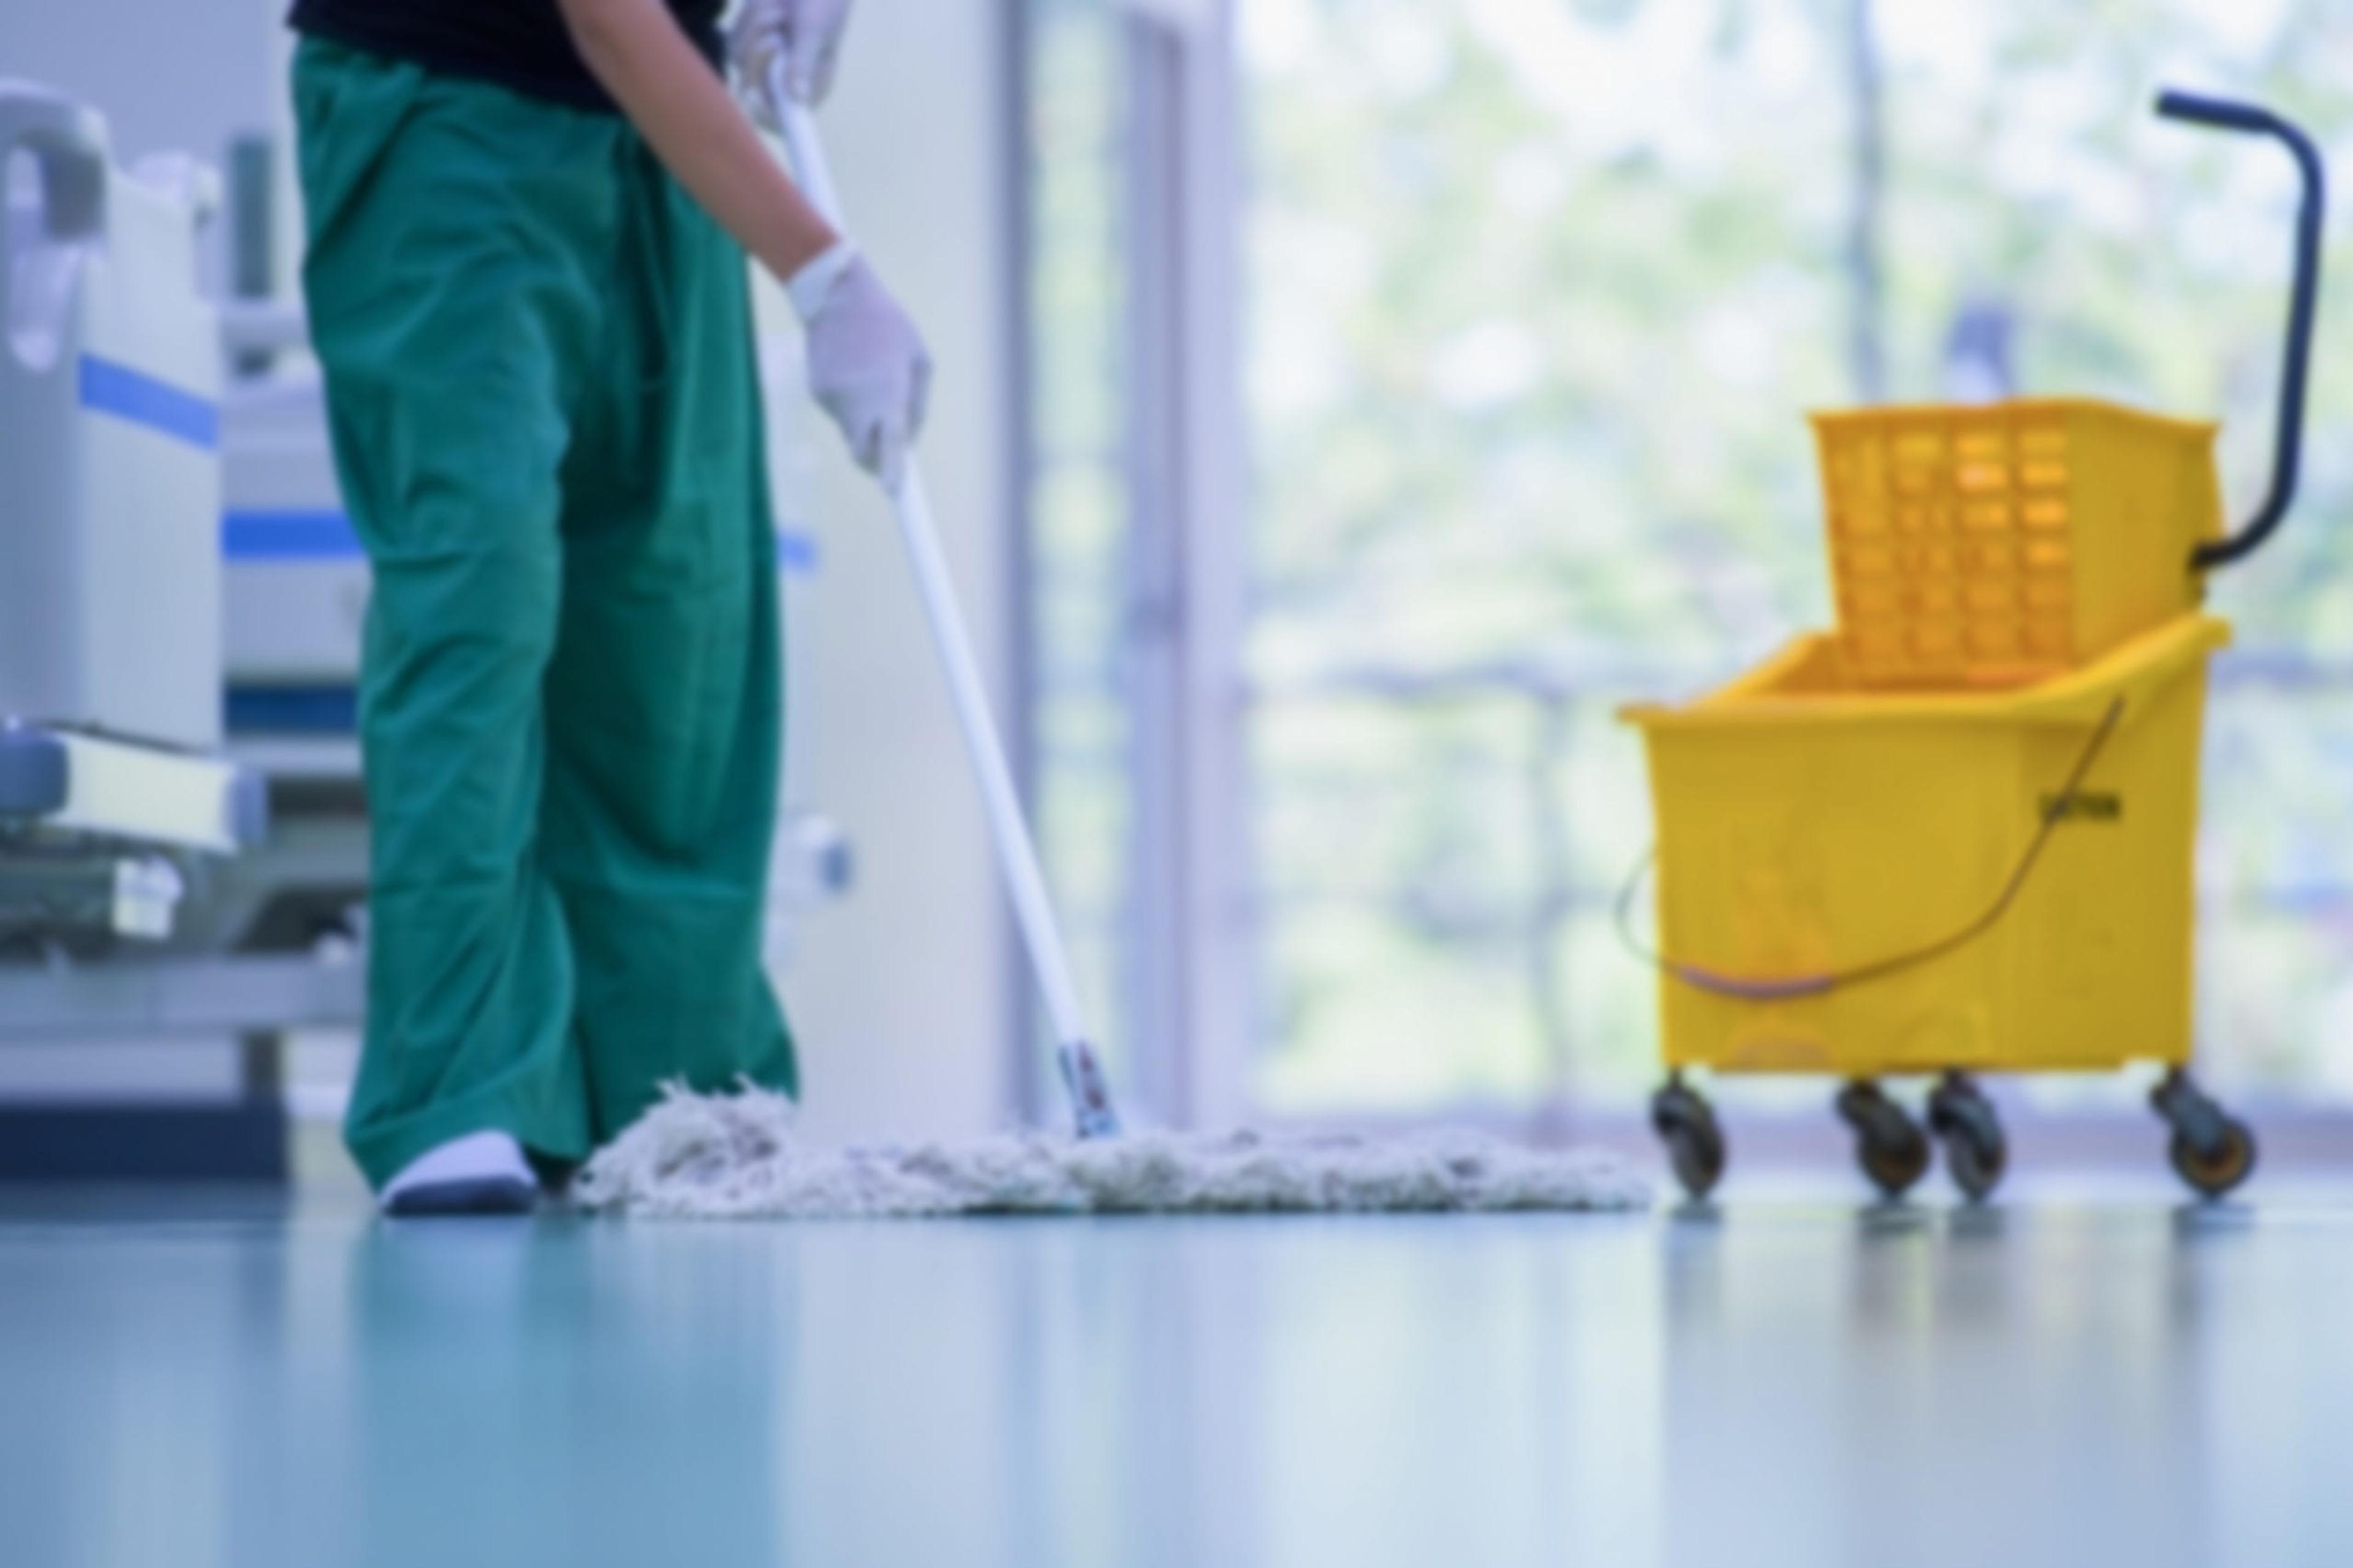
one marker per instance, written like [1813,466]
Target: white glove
[805,35]
[867,363]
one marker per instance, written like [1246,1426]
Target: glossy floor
[2083,1376]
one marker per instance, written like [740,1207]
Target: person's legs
[451,309]
[663,701]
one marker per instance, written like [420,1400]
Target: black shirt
[518,44]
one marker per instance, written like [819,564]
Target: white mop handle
[810,170]
[1016,853]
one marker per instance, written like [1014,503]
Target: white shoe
[480,1174]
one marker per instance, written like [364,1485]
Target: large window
[1078,143]
[1536,293]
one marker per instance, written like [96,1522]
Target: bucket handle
[2222,115]
[68,141]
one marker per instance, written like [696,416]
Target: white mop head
[733,1155]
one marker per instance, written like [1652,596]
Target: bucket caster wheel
[1888,1145]
[1686,1124]
[1975,1151]
[2211,1149]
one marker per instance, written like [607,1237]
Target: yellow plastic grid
[1997,545]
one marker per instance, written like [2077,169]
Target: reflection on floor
[2082,1376]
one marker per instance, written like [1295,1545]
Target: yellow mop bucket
[1951,883]
[1813,837]
[1956,834]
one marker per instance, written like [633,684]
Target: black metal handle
[2295,369]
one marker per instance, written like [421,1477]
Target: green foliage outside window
[1538,294]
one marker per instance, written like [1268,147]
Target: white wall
[901,996]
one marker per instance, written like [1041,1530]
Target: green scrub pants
[538,363]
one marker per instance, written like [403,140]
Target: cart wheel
[1888,1145]
[1975,1151]
[2216,1174]
[2211,1149]
[1694,1141]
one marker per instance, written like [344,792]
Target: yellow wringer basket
[1991,547]
[1956,834]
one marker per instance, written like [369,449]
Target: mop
[734,1154]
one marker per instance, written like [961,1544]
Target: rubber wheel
[1976,1162]
[2212,1174]
[1694,1141]
[1895,1158]
[1976,1150]
[1888,1145]
[1696,1151]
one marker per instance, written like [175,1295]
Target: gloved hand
[805,35]
[866,363]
